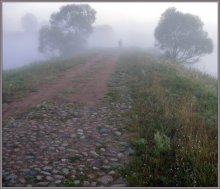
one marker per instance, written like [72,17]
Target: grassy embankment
[19,82]
[174,129]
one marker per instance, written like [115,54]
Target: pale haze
[133,23]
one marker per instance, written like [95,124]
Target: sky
[134,22]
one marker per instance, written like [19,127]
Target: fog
[133,23]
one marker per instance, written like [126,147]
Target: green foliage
[68,30]
[75,158]
[162,143]
[69,183]
[174,123]
[181,37]
[21,81]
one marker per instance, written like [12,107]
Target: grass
[19,82]
[174,130]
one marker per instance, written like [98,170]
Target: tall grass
[18,82]
[174,128]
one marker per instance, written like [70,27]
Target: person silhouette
[120,43]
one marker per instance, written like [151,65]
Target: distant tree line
[179,36]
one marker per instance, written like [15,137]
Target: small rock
[73,135]
[47,168]
[120,155]
[103,130]
[94,153]
[118,133]
[45,173]
[105,179]
[42,183]
[22,180]
[11,177]
[106,161]
[95,168]
[119,185]
[65,171]
[106,167]
[111,172]
[80,130]
[29,157]
[85,154]
[82,137]
[93,184]
[64,160]
[76,182]
[49,178]
[39,177]
[57,181]
[114,159]
[73,176]
[102,149]
[91,176]
[37,169]
[86,183]
[58,177]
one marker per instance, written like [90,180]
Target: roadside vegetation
[19,82]
[174,129]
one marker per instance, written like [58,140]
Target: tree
[67,31]
[181,37]
[29,22]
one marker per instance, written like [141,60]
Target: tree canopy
[29,22]
[67,31]
[181,37]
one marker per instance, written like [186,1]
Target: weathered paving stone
[105,179]
[39,177]
[119,185]
[86,183]
[118,133]
[57,140]
[65,171]
[112,172]
[57,181]
[11,177]
[76,182]
[42,183]
[93,153]
[49,178]
[46,173]
[22,180]
[93,184]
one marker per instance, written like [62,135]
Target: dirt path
[74,139]
[88,91]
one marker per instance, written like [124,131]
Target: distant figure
[120,43]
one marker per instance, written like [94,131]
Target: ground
[65,133]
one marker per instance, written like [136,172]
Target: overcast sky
[137,19]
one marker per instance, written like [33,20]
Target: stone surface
[105,179]
[50,148]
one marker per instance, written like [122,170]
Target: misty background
[133,23]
